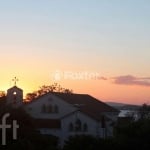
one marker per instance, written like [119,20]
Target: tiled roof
[86,101]
[87,104]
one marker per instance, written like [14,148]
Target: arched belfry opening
[15,95]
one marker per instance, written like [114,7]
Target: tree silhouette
[2,93]
[46,89]
[144,111]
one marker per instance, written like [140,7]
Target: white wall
[94,127]
[55,132]
[34,108]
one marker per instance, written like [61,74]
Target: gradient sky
[39,38]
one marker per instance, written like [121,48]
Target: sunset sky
[98,47]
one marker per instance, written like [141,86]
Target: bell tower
[14,95]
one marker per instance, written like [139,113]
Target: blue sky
[82,23]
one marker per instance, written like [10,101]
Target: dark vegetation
[46,89]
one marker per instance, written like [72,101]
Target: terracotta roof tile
[87,104]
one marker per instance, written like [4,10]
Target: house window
[43,108]
[50,109]
[103,122]
[14,93]
[78,126]
[70,127]
[55,109]
[85,127]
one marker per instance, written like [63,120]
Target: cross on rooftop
[15,81]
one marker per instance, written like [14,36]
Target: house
[65,114]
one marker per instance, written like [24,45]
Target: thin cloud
[132,80]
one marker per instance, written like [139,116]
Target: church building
[67,114]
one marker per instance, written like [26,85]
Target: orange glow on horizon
[103,90]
